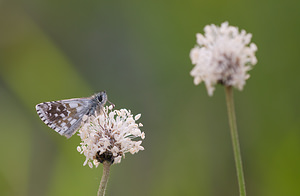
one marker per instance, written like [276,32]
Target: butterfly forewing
[63,116]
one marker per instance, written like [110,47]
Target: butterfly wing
[64,116]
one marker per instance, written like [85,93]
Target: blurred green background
[138,51]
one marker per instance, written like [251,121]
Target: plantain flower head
[222,55]
[108,136]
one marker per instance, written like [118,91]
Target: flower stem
[235,140]
[104,179]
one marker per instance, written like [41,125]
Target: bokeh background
[138,51]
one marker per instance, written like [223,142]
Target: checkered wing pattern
[64,116]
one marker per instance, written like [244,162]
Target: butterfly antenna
[113,105]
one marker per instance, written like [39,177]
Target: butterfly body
[65,116]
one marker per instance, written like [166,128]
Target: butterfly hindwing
[63,116]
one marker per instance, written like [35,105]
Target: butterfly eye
[100,98]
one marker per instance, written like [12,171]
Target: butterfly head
[101,98]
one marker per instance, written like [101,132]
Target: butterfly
[65,116]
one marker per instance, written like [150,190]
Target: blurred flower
[108,136]
[223,55]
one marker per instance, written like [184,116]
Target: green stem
[235,140]
[104,179]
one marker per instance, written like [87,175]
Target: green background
[138,51]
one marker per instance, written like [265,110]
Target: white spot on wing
[73,121]
[79,108]
[73,105]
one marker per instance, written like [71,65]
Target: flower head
[108,136]
[222,55]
